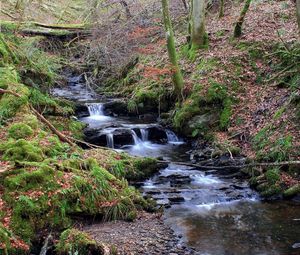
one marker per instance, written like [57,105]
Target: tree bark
[239,24]
[298,13]
[221,10]
[197,24]
[177,76]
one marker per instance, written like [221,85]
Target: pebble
[147,235]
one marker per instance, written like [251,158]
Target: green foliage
[19,131]
[21,150]
[132,106]
[73,241]
[226,114]
[216,93]
[272,175]
[55,147]
[272,191]
[40,100]
[286,68]
[10,104]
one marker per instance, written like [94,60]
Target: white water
[144,134]
[172,137]
[96,112]
[110,140]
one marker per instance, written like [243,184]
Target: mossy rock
[19,131]
[31,121]
[73,241]
[27,180]
[21,150]
[272,191]
[292,191]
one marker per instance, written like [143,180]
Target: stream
[215,212]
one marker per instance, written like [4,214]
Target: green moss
[73,241]
[21,150]
[20,130]
[272,190]
[272,175]
[216,93]
[188,109]
[55,147]
[292,191]
[29,180]
[226,114]
[144,168]
[31,121]
[10,104]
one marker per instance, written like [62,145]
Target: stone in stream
[296,246]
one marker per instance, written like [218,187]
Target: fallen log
[59,34]
[264,164]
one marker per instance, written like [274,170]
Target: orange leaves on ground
[19,244]
[155,72]
[288,180]
[151,48]
[140,32]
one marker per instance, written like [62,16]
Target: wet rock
[296,246]
[176,200]
[157,134]
[81,111]
[116,107]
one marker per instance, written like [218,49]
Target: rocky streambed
[215,212]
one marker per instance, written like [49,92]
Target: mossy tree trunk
[177,75]
[239,24]
[221,10]
[197,24]
[298,13]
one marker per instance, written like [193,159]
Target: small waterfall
[110,140]
[172,138]
[95,109]
[135,137]
[144,134]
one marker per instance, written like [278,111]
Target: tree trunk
[197,24]
[221,11]
[298,12]
[239,24]
[177,76]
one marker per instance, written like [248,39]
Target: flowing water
[212,211]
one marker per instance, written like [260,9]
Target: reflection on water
[238,227]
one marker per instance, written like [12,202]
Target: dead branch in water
[264,164]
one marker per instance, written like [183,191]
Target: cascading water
[144,134]
[172,137]
[135,137]
[95,109]
[110,140]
